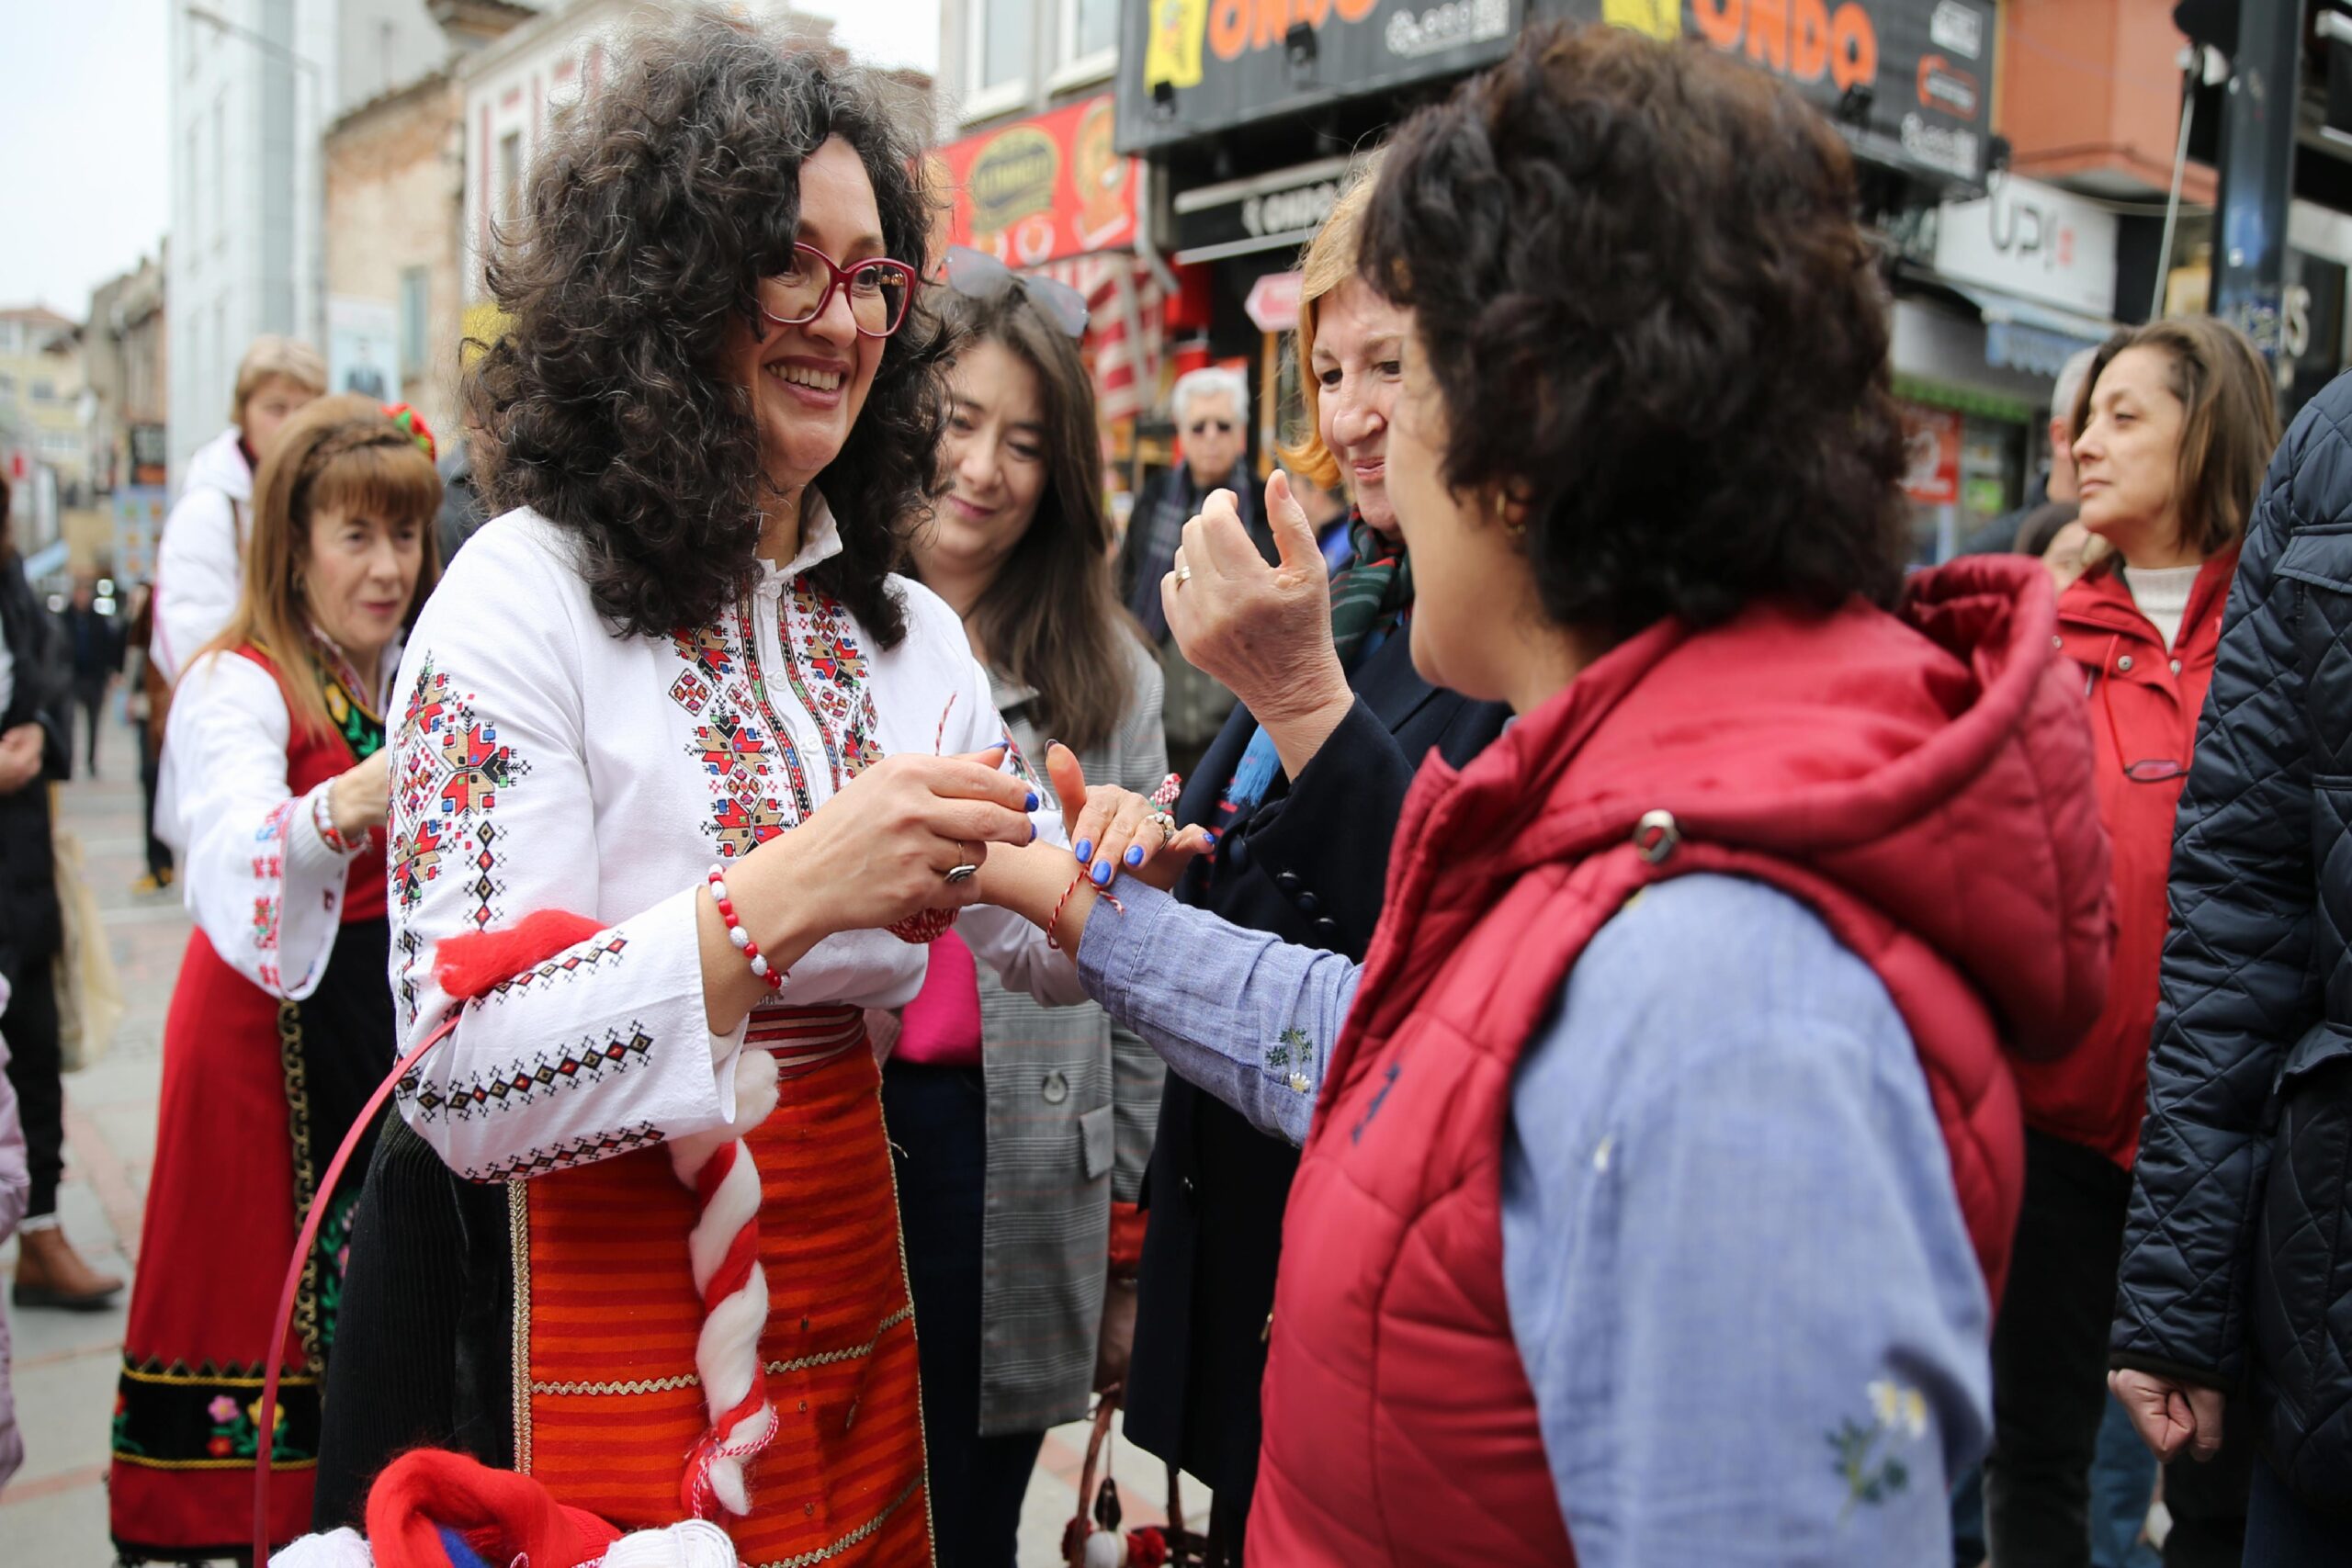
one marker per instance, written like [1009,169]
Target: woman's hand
[1111,832]
[19,757]
[871,856]
[1264,631]
[361,798]
[2170,1414]
[1115,1347]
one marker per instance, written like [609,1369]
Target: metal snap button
[1656,835]
[2124,664]
[2057,642]
[1057,1086]
[2176,666]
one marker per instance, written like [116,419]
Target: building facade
[42,396]
[254,85]
[395,181]
[127,358]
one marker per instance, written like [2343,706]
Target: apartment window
[7,389]
[416,298]
[44,391]
[1001,50]
[510,175]
[1090,32]
[11,341]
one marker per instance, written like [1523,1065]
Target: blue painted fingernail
[1032,802]
[1135,854]
[1210,834]
[1084,849]
[1102,874]
[1033,832]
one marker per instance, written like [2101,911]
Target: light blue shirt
[1735,1266]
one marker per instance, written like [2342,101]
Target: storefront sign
[1274,301]
[1188,68]
[1931,454]
[361,339]
[1284,208]
[138,524]
[1909,82]
[2033,241]
[1042,189]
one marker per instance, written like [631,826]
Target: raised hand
[1263,630]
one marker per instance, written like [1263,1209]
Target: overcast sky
[84,181]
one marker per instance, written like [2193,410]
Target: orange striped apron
[606,1402]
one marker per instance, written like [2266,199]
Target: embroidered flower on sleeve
[223,1409]
[1867,1460]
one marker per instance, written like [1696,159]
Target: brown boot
[50,1273]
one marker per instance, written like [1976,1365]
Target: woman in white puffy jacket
[198,565]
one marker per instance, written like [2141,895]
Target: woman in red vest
[1661,1162]
[2176,424]
[280,1024]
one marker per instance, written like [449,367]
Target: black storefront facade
[1252,112]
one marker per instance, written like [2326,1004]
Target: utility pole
[2258,167]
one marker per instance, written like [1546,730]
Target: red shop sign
[1930,455]
[1043,188]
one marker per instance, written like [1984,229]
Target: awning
[2037,339]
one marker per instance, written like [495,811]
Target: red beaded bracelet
[768,973]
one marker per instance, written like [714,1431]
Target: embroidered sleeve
[605,1046]
[256,877]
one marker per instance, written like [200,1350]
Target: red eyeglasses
[878,291]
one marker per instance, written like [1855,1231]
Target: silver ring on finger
[1167,826]
[963,871]
[1183,575]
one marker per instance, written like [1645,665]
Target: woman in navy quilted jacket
[2237,1247]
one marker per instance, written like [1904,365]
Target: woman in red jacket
[2175,424]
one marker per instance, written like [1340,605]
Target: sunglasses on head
[976,275]
[1222,426]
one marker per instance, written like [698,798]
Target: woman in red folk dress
[281,1024]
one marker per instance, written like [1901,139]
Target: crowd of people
[1626,1037]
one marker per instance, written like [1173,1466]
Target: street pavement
[53,1514]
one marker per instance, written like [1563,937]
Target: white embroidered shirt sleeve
[604,1047]
[266,890]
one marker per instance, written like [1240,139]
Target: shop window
[44,391]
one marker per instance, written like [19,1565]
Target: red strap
[302,1246]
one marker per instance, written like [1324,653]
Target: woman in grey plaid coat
[1021,1130]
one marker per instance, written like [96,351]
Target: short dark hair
[1051,619]
[1652,320]
[653,213]
[2229,424]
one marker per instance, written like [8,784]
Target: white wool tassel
[726,1351]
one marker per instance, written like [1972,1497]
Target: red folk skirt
[607,1403]
[257,1094]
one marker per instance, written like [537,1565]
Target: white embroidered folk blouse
[540,762]
[265,889]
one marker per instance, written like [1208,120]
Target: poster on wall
[1930,455]
[1043,188]
[138,524]
[363,337]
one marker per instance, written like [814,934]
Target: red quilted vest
[1922,782]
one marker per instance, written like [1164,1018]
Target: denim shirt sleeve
[1734,1261]
[1243,1015]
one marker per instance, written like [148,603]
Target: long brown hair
[2232,423]
[1051,619]
[339,452]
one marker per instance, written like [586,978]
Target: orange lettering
[1311,12]
[1720,20]
[1809,41]
[1273,20]
[1353,10]
[1229,27]
[1853,47]
[1768,33]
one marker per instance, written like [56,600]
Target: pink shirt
[940,1027]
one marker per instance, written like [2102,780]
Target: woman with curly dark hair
[710,777]
[1659,1164]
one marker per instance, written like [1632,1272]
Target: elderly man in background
[1212,418]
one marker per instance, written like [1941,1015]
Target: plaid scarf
[1368,600]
